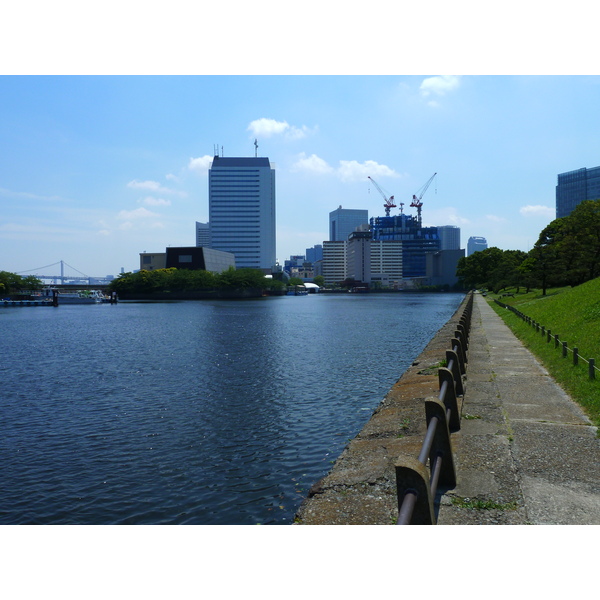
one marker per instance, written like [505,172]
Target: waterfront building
[386,262]
[574,187]
[194,257]
[416,241]
[358,260]
[333,265]
[203,234]
[343,221]
[449,237]
[149,261]
[476,244]
[441,267]
[241,197]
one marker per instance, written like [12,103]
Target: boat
[297,290]
[81,297]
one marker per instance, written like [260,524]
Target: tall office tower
[386,261]
[241,207]
[475,244]
[343,221]
[575,187]
[358,254]
[449,237]
[203,234]
[333,265]
[315,253]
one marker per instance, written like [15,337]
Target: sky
[103,160]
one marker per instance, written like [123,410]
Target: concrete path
[526,453]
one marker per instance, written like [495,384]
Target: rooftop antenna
[221,151]
[255,148]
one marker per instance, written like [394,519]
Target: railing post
[564,349]
[575,356]
[549,336]
[592,368]
[556,341]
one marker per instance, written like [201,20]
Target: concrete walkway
[526,453]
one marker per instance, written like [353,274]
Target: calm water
[209,412]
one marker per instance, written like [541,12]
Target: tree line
[567,252]
[174,280]
[12,283]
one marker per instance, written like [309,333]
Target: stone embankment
[361,486]
[525,452]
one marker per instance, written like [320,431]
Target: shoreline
[360,489]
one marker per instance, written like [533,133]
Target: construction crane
[416,201]
[389,202]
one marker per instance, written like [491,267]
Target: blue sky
[96,169]
[104,146]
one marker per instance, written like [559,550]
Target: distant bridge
[65,278]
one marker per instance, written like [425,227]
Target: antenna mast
[255,148]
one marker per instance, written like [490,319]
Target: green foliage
[295,281]
[11,282]
[175,280]
[573,314]
[319,280]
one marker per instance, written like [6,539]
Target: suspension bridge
[70,275]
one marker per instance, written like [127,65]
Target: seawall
[360,489]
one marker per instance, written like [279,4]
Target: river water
[198,412]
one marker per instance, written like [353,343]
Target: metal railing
[416,486]
[558,343]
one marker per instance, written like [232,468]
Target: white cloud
[439,85]
[351,170]
[138,213]
[200,164]
[537,210]
[268,127]
[152,201]
[153,186]
[348,170]
[312,163]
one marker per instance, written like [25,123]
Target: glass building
[476,244]
[241,206]
[574,187]
[343,221]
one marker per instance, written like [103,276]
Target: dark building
[575,187]
[199,258]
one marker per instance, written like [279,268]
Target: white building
[241,199]
[476,244]
[334,262]
[386,261]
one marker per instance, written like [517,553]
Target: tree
[319,280]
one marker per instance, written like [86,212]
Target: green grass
[573,314]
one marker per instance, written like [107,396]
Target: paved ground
[525,453]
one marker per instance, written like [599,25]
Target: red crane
[389,202]
[416,201]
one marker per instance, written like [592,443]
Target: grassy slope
[573,314]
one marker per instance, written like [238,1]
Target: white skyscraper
[241,206]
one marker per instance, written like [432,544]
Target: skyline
[96,169]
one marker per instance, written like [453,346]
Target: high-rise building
[241,198]
[574,187]
[358,254]
[333,265]
[476,244]
[203,234]
[314,254]
[449,237]
[416,241]
[343,221]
